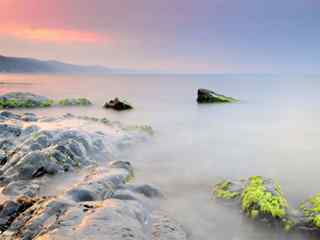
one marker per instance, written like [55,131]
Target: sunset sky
[232,36]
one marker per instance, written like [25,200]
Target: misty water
[273,131]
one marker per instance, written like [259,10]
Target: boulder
[208,96]
[118,105]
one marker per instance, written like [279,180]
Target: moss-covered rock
[29,100]
[208,96]
[311,212]
[23,100]
[227,190]
[74,102]
[260,198]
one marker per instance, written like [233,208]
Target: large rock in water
[208,96]
[118,105]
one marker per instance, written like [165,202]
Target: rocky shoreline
[103,204]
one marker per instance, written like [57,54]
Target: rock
[102,205]
[5,115]
[24,188]
[30,100]
[74,102]
[22,100]
[29,117]
[308,214]
[118,105]
[208,96]
[147,190]
[9,130]
[100,187]
[11,209]
[62,217]
[3,157]
[260,198]
[165,228]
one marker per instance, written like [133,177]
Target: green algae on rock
[224,190]
[208,96]
[30,100]
[74,102]
[23,100]
[311,211]
[261,197]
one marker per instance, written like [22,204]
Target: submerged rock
[118,105]
[30,100]
[208,96]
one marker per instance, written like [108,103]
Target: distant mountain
[29,65]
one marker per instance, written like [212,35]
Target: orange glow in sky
[47,35]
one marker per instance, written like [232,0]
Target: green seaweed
[74,102]
[255,197]
[311,210]
[17,103]
[47,103]
[221,190]
[14,103]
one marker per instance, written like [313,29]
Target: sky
[198,36]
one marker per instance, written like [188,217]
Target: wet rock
[3,157]
[260,198]
[74,102]
[100,187]
[24,188]
[22,100]
[97,215]
[5,115]
[307,216]
[165,228]
[30,100]
[11,209]
[208,96]
[9,130]
[29,117]
[118,105]
[147,190]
